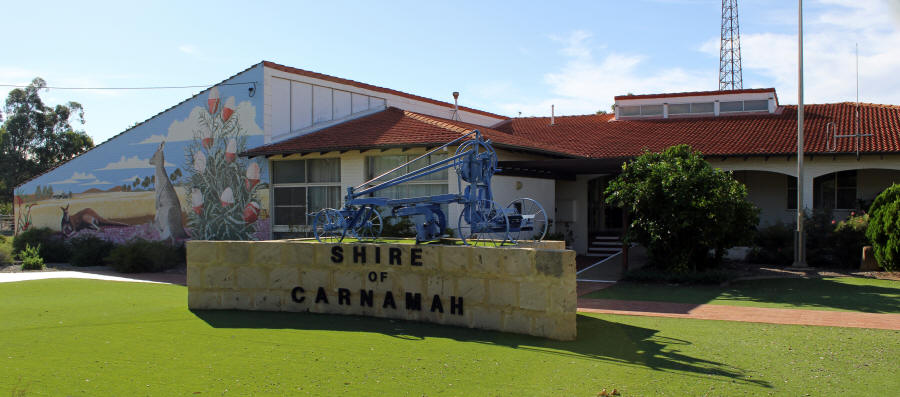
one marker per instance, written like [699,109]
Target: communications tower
[730,75]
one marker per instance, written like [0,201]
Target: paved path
[741,313]
[159,278]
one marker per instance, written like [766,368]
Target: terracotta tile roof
[357,84]
[599,136]
[393,128]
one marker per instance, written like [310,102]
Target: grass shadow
[597,339]
[842,293]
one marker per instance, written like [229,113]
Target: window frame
[302,228]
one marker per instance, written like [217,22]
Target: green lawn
[87,337]
[838,293]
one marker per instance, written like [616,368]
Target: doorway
[602,218]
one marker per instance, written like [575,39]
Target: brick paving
[741,313]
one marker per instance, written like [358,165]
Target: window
[428,185]
[756,105]
[835,191]
[629,110]
[702,107]
[651,110]
[679,108]
[733,106]
[301,187]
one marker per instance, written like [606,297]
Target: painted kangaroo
[84,219]
[168,208]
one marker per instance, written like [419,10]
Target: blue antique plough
[481,220]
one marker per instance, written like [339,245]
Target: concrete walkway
[158,278]
[741,313]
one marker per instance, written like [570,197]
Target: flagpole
[799,237]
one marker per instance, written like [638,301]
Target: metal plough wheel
[483,223]
[369,227]
[534,220]
[328,226]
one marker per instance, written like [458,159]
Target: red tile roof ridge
[695,93]
[437,122]
[367,86]
[861,104]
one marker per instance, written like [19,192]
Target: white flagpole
[799,237]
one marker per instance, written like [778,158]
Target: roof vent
[552,115]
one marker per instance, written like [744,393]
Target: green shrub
[849,238]
[89,250]
[6,208]
[682,208]
[5,251]
[884,228]
[828,243]
[31,258]
[138,256]
[773,245]
[53,246]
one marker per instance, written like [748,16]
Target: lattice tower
[730,75]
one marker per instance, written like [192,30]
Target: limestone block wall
[520,290]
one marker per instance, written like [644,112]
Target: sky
[512,58]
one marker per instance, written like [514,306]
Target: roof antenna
[552,114]
[831,127]
[454,114]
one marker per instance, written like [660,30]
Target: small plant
[54,248]
[884,228]
[89,250]
[140,256]
[31,258]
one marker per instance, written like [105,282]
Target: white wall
[814,166]
[768,191]
[289,105]
[295,108]
[572,202]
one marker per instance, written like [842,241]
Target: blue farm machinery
[482,221]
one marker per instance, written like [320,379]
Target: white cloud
[129,180]
[96,182]
[125,163]
[591,76]
[829,54]
[184,130]
[586,84]
[77,177]
[187,49]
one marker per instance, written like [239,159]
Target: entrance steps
[602,247]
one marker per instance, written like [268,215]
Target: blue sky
[504,57]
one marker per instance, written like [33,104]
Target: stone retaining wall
[521,290]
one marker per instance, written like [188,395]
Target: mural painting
[174,177]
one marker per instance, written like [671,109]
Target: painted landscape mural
[175,177]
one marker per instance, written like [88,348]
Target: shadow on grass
[597,339]
[825,293]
